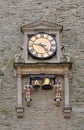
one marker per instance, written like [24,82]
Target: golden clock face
[42,46]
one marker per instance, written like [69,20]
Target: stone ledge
[61,64]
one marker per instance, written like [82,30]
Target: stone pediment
[41,25]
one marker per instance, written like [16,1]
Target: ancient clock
[42,46]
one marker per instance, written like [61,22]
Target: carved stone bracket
[67,112]
[20,110]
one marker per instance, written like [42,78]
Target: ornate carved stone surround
[58,65]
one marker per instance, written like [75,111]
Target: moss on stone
[1,50]
[4,112]
[5,124]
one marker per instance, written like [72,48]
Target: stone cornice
[38,68]
[66,64]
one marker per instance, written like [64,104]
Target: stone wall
[43,114]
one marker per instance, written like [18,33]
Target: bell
[46,84]
[36,84]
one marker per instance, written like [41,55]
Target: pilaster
[19,107]
[58,47]
[67,107]
[25,51]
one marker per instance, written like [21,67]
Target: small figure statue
[28,89]
[58,90]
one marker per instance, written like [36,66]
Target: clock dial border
[49,52]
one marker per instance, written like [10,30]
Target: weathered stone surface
[43,114]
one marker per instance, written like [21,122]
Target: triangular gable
[41,25]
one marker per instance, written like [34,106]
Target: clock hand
[39,44]
[42,45]
[44,48]
[36,44]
